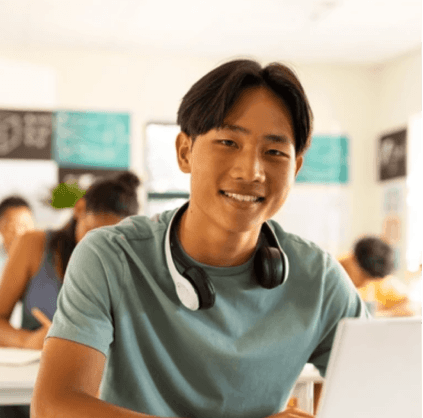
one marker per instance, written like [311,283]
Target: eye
[275,152]
[228,142]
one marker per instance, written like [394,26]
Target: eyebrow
[283,139]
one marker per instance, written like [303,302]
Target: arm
[17,273]
[67,385]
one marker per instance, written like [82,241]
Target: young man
[208,310]
[370,266]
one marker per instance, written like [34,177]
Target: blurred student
[211,309]
[370,266]
[15,219]
[35,270]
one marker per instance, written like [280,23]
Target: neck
[211,245]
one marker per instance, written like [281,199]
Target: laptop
[375,370]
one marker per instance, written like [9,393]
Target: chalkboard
[25,134]
[91,139]
[326,161]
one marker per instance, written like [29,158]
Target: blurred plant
[65,195]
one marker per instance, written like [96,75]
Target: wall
[342,98]
[359,101]
[399,98]
[28,85]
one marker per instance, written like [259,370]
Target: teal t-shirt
[240,358]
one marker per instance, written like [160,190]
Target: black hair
[13,202]
[374,256]
[209,100]
[116,195]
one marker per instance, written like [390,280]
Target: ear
[299,163]
[80,208]
[183,152]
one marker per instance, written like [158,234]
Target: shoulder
[299,249]
[32,244]
[309,263]
[132,233]
[135,227]
[33,237]
[27,251]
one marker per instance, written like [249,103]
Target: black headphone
[195,289]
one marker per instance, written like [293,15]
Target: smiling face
[241,174]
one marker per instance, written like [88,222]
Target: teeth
[242,198]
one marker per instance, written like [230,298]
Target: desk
[304,387]
[17,384]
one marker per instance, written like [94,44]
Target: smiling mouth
[242,197]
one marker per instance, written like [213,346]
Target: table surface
[17,382]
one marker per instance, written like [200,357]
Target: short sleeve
[85,302]
[340,300]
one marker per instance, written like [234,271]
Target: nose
[248,166]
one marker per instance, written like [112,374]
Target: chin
[240,226]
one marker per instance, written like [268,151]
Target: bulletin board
[91,139]
[326,161]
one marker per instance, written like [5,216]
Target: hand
[35,339]
[292,412]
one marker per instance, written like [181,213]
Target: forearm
[10,336]
[78,405]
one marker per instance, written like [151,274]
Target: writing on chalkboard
[25,134]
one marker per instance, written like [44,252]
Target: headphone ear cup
[269,267]
[202,285]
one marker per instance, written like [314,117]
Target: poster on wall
[25,134]
[393,155]
[91,139]
[326,161]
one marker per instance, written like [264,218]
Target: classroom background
[88,89]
